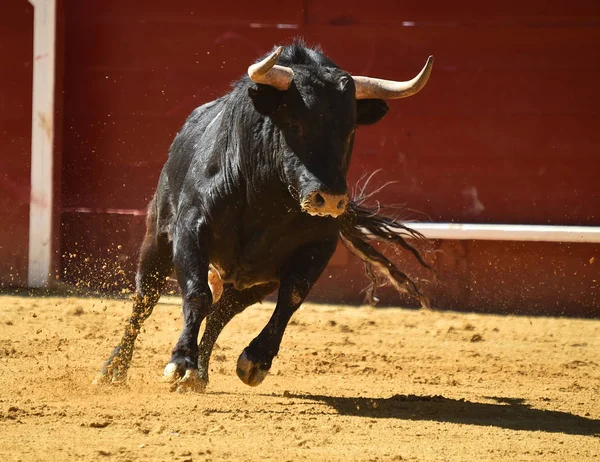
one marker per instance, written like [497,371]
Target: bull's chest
[263,251]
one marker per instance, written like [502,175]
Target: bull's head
[317,109]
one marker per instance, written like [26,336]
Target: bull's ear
[264,99]
[370,111]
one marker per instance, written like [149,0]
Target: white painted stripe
[42,140]
[136,212]
[541,233]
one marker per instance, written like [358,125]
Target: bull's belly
[251,265]
[240,279]
[258,256]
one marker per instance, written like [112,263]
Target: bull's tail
[363,225]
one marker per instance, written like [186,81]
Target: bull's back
[191,142]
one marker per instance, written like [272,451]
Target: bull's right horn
[370,88]
[269,73]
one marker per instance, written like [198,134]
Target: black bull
[253,198]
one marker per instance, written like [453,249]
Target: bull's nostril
[319,200]
[341,204]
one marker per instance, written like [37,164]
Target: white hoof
[191,381]
[101,379]
[171,373]
[108,377]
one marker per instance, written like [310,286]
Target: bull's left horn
[370,88]
[269,73]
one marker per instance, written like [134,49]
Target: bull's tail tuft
[363,225]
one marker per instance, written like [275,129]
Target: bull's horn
[370,88]
[269,73]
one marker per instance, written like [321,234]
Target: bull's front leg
[298,277]
[190,259]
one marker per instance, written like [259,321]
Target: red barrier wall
[16,50]
[504,132]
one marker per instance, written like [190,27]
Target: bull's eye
[344,81]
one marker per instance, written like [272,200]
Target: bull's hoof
[184,380]
[102,379]
[109,377]
[114,370]
[250,372]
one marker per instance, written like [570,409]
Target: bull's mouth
[323,214]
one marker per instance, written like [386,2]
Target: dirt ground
[348,384]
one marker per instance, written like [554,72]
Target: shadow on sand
[507,413]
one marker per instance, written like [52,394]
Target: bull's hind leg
[231,303]
[155,265]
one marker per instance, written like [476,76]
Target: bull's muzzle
[325,205]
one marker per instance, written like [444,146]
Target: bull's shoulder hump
[197,123]
[207,110]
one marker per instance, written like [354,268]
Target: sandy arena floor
[349,384]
